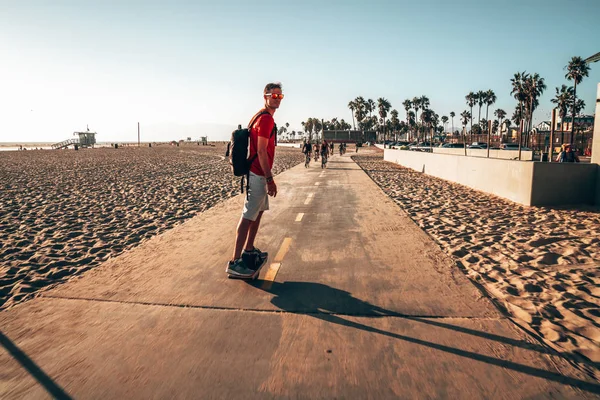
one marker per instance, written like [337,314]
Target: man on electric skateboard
[247,259]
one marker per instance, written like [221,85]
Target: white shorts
[257,199]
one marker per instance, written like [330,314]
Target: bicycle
[324,161]
[307,160]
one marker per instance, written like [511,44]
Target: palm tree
[334,124]
[577,69]
[490,99]
[452,115]
[282,130]
[308,127]
[501,114]
[407,106]
[427,119]
[424,102]
[370,107]
[360,109]
[416,101]
[534,87]
[562,99]
[519,93]
[465,115]
[480,96]
[471,99]
[579,106]
[352,107]
[444,121]
[435,121]
[412,121]
[384,106]
[395,122]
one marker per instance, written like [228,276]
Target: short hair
[271,86]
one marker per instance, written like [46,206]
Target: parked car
[513,146]
[453,145]
[477,145]
[422,146]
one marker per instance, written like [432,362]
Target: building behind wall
[584,124]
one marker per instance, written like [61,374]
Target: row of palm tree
[481,97]
[525,88]
[312,126]
[360,107]
[284,128]
[564,99]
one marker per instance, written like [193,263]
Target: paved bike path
[355,302]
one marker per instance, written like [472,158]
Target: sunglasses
[275,95]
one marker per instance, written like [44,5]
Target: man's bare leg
[254,225]
[241,236]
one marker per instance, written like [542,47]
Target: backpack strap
[256,116]
[252,121]
[252,158]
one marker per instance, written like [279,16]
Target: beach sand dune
[64,212]
[540,264]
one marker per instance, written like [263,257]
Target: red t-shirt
[262,127]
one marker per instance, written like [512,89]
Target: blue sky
[192,68]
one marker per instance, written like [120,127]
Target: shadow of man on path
[340,307]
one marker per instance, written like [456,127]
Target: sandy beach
[66,211]
[541,265]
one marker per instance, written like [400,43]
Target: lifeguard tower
[204,140]
[82,139]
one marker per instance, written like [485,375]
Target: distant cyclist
[307,150]
[316,151]
[324,152]
[331,149]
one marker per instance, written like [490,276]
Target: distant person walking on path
[263,131]
[567,154]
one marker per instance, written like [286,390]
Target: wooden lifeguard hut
[82,139]
[87,138]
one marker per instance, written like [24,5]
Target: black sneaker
[238,268]
[255,258]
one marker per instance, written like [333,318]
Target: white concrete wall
[524,182]
[503,154]
[596,138]
[508,179]
[563,183]
[596,145]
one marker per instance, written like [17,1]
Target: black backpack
[238,149]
